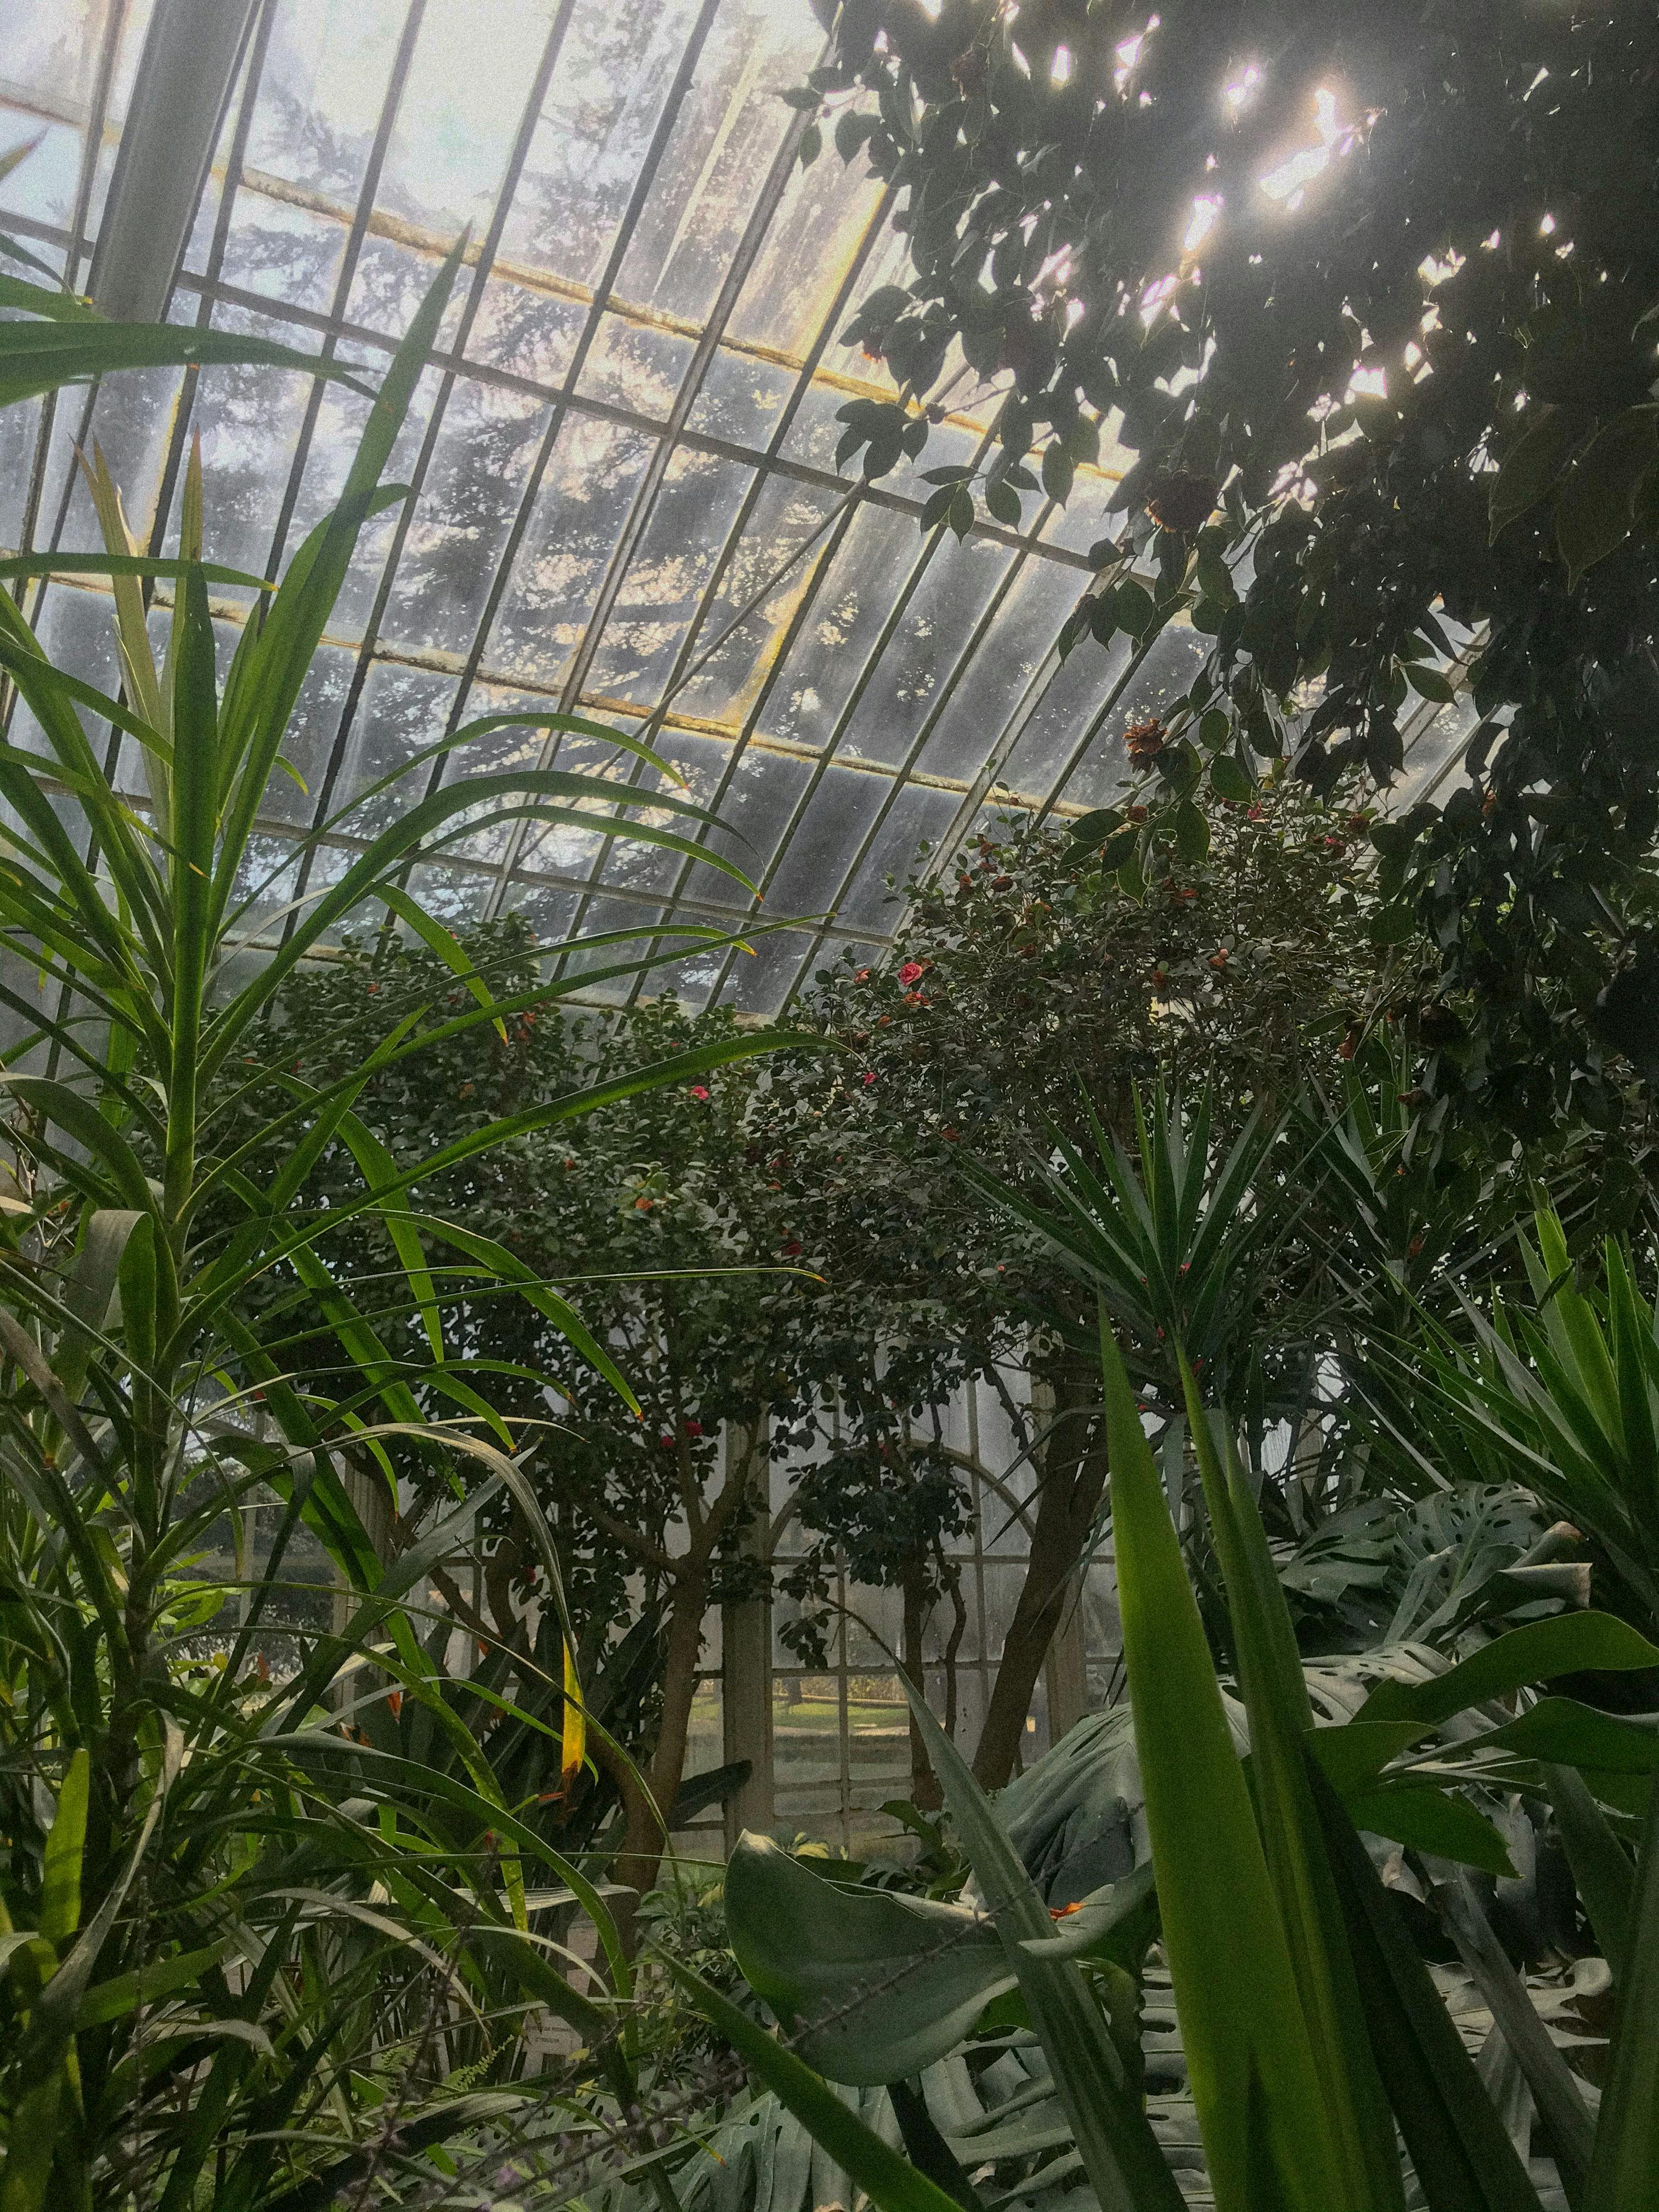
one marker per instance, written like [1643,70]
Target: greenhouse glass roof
[629,504]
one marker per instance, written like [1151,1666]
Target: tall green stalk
[274,1902]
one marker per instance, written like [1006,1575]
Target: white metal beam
[184,77]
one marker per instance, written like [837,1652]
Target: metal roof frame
[189,128]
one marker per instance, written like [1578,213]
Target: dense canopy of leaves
[1028,990]
[1370,291]
[647,1217]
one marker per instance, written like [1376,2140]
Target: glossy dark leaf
[1536,462]
[1594,507]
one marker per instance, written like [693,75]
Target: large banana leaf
[897,1981]
[1119,2152]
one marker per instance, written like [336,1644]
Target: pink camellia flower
[699,1092]
[694,1428]
[869,1077]
[912,972]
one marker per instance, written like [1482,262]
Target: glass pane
[772,568]
[948,597]
[806,1737]
[717,157]
[1102,1632]
[918,814]
[287,253]
[705,1743]
[320,95]
[878,1738]
[458,529]
[1007,657]
[695,505]
[837,817]
[615,71]
[580,506]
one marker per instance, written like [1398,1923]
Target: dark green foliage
[1391,406]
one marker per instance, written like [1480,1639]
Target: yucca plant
[1165,1232]
[1562,1397]
[253,1945]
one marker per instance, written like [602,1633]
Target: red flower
[869,1077]
[1002,884]
[862,976]
[792,1248]
[699,1093]
[913,970]
[665,1443]
[694,1428]
[914,998]
[1218,959]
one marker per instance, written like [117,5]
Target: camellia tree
[1029,990]
[1034,991]
[1370,293]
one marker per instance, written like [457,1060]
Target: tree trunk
[924,1783]
[1073,1467]
[642,1838]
